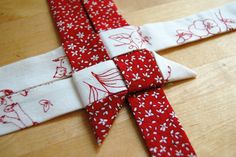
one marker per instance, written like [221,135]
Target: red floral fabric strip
[139,70]
[104,14]
[82,45]
[155,118]
[102,114]
[160,128]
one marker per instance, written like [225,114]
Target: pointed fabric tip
[173,71]
[102,114]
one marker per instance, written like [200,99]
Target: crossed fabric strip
[21,107]
[137,77]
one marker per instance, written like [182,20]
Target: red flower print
[46,104]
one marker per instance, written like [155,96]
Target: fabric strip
[162,35]
[55,71]
[34,71]
[55,63]
[36,105]
[140,72]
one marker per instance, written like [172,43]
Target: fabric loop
[139,70]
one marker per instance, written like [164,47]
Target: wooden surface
[206,106]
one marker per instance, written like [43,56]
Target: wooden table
[206,106]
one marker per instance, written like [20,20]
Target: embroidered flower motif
[204,28]
[183,36]
[230,24]
[201,28]
[140,121]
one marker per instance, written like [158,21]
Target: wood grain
[206,106]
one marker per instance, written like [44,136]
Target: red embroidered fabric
[160,128]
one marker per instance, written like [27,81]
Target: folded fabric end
[173,71]
[102,114]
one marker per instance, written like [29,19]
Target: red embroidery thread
[135,39]
[46,105]
[202,28]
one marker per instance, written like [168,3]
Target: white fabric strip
[172,71]
[37,105]
[163,35]
[34,71]
[98,81]
[44,102]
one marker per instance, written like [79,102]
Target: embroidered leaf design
[110,78]
[94,92]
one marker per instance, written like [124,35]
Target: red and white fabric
[162,35]
[34,71]
[46,106]
[138,68]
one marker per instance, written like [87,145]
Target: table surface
[206,106]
